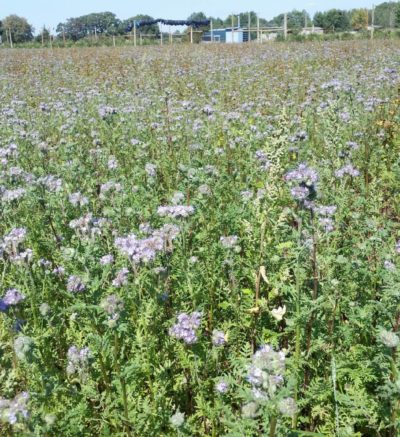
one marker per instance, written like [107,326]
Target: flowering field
[200,241]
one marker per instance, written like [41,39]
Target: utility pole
[249,26]
[11,41]
[232,23]
[285,26]
[372,21]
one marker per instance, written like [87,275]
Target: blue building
[238,35]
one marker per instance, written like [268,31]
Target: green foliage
[334,20]
[20,29]
[129,131]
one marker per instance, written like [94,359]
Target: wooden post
[170,35]
[232,23]
[141,38]
[134,33]
[191,34]
[63,35]
[43,36]
[258,30]
[212,31]
[372,21]
[113,40]
[249,26]
[10,35]
[285,26]
[161,39]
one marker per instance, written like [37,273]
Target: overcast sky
[52,12]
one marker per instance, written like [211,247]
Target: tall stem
[272,426]
[298,330]
[314,297]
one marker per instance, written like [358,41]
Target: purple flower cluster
[11,410]
[229,242]
[78,360]
[325,220]
[306,178]
[175,211]
[11,246]
[347,169]
[265,373]
[303,174]
[121,279]
[106,260]
[112,305]
[218,338]
[146,249]
[77,199]
[88,225]
[75,284]
[11,298]
[186,326]
[222,387]
[263,160]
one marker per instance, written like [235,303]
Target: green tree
[386,14]
[359,19]
[152,29]
[44,35]
[333,20]
[295,19]
[21,30]
[199,16]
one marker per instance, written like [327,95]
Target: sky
[52,12]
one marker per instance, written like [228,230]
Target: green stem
[298,330]
[272,426]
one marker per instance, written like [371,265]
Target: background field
[246,146]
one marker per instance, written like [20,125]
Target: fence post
[285,26]
[212,31]
[258,30]
[249,26]
[134,33]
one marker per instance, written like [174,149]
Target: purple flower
[300,193]
[151,170]
[11,410]
[218,338]
[185,328]
[222,387]
[78,359]
[175,211]
[106,260]
[121,278]
[388,265]
[75,284]
[326,211]
[77,199]
[303,174]
[347,169]
[229,242]
[13,297]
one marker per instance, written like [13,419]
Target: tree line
[18,29]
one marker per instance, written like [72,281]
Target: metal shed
[228,35]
